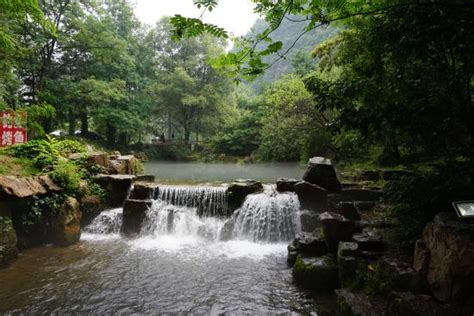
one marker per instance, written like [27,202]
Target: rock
[319,274]
[227,230]
[144,191]
[98,159]
[369,242]
[307,245]
[421,259]
[369,175]
[348,210]
[123,165]
[352,195]
[311,196]
[21,187]
[116,186]
[407,303]
[321,172]
[66,226]
[284,185]
[309,221]
[91,206]
[145,178]
[8,241]
[336,228]
[358,304]
[446,255]
[134,212]
[239,189]
[392,274]
[364,206]
[347,262]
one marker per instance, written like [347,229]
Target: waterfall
[107,222]
[209,201]
[268,216]
[191,211]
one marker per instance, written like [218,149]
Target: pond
[200,172]
[105,274]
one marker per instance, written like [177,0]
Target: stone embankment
[32,213]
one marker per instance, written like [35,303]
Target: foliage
[67,175]
[418,197]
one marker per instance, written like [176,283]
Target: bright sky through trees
[236,16]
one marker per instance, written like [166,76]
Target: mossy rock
[319,274]
[8,241]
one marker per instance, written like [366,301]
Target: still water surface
[222,172]
[108,274]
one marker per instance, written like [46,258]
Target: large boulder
[286,185]
[336,228]
[98,160]
[321,172]
[239,189]
[123,165]
[319,274]
[311,196]
[446,256]
[8,241]
[116,186]
[134,212]
[66,226]
[348,210]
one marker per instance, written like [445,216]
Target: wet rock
[134,212]
[144,191]
[347,262]
[311,196]
[347,248]
[123,165]
[307,245]
[369,242]
[227,229]
[116,186]
[284,184]
[336,228]
[348,210]
[22,187]
[321,172]
[91,206]
[8,241]
[66,226]
[446,256]
[309,221]
[239,189]
[319,274]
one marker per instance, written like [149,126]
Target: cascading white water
[209,201]
[107,222]
[268,216]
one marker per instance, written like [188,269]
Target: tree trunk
[84,124]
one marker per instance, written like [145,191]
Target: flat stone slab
[22,187]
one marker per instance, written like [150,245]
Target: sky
[236,16]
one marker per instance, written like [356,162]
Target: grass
[10,166]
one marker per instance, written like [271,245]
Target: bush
[67,175]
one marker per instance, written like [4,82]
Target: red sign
[12,128]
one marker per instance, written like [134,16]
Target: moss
[16,166]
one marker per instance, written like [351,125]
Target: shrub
[67,175]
